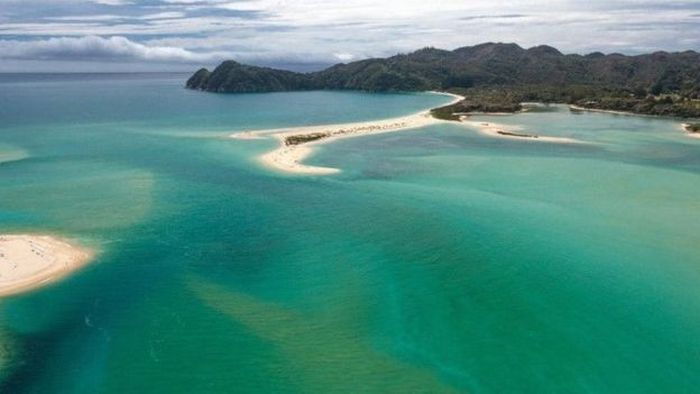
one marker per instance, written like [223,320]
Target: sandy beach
[515,133]
[288,157]
[31,261]
[247,135]
[686,129]
[297,143]
[604,111]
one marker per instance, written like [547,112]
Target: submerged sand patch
[12,154]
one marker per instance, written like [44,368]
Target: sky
[184,35]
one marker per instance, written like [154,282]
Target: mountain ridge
[661,82]
[488,64]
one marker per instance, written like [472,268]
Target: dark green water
[439,260]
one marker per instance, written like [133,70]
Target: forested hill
[233,77]
[485,65]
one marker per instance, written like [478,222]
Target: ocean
[438,260]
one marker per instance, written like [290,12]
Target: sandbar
[691,134]
[288,156]
[31,261]
[513,132]
[297,143]
[605,111]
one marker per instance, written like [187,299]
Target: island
[31,261]
[495,77]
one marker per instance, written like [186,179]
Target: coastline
[31,261]
[297,143]
[686,128]
[287,158]
[605,111]
[514,133]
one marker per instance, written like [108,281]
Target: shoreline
[288,157]
[28,261]
[575,107]
[605,111]
[684,126]
[688,132]
[512,132]
[297,143]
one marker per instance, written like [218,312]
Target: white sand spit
[30,261]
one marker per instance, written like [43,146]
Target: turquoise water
[439,260]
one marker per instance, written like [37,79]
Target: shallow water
[439,260]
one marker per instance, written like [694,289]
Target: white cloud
[344,57]
[111,17]
[95,48]
[163,15]
[194,1]
[85,18]
[345,30]
[113,2]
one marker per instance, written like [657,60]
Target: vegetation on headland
[663,105]
[693,127]
[509,99]
[304,138]
[660,83]
[512,134]
[479,101]
[233,77]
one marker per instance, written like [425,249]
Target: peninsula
[659,83]
[488,78]
[31,261]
